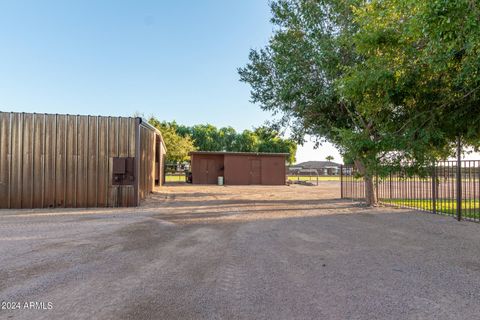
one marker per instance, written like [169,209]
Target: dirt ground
[208,252]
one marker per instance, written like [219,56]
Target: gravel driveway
[207,252]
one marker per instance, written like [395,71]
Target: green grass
[174,178]
[470,208]
[427,180]
[181,178]
[314,178]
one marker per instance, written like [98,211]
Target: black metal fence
[443,188]
[308,179]
[176,172]
[312,180]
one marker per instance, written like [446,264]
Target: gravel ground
[207,252]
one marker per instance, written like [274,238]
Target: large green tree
[207,137]
[421,61]
[270,141]
[246,141]
[295,76]
[385,80]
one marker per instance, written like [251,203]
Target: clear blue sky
[176,60]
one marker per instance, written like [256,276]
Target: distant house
[308,172]
[325,168]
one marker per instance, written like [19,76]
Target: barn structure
[74,161]
[238,168]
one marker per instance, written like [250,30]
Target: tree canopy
[386,81]
[181,139]
[420,65]
[178,146]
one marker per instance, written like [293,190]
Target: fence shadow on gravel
[444,188]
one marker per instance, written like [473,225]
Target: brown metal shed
[54,160]
[238,168]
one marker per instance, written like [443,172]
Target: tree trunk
[370,191]
[370,187]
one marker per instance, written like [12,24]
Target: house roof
[317,164]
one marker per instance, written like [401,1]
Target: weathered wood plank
[113,124]
[82,159]
[71,158]
[17,158]
[102,161]
[123,137]
[92,171]
[50,161]
[38,160]
[27,164]
[4,160]
[131,137]
[60,161]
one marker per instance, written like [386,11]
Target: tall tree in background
[181,139]
[270,141]
[206,137]
[246,141]
[178,146]
[329,158]
[227,137]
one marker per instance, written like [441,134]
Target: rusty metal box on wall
[123,171]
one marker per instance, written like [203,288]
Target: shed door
[203,174]
[255,171]
[212,172]
[208,172]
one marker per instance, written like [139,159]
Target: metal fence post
[390,185]
[434,189]
[459,179]
[341,181]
